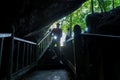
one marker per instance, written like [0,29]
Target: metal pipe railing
[21,53]
[44,44]
[95,35]
[25,41]
[24,61]
[100,35]
[5,35]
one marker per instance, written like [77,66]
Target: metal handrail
[44,44]
[26,59]
[44,37]
[4,35]
[96,35]
[23,54]
[100,35]
[23,40]
[16,55]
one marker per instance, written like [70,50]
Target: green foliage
[79,15]
[117,3]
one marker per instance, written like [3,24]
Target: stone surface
[48,75]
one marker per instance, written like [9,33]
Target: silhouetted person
[92,20]
[80,56]
[57,34]
[77,29]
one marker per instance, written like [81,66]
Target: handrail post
[10,54]
[31,54]
[18,54]
[10,60]
[27,58]
[23,60]
[1,50]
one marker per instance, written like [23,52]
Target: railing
[69,54]
[44,44]
[18,56]
[24,56]
[2,36]
[94,56]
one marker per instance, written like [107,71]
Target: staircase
[50,67]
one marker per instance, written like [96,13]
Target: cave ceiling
[29,18]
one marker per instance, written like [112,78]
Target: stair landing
[48,75]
